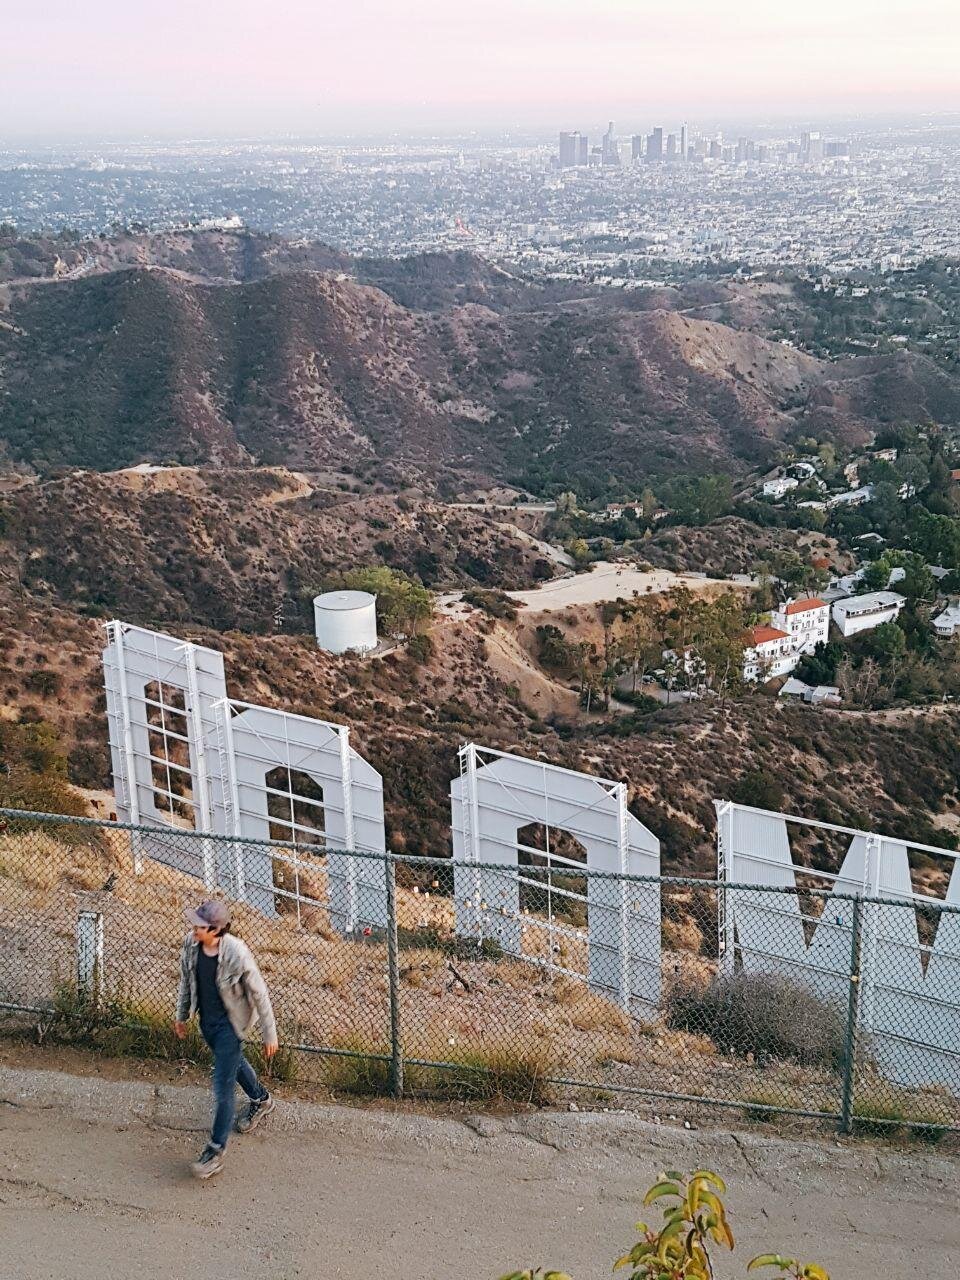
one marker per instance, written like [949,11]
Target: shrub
[482,1070]
[497,603]
[353,1071]
[121,1026]
[504,1072]
[885,1115]
[763,1015]
[420,648]
[642,701]
[759,789]
[694,1225]
[46,683]
[762,1107]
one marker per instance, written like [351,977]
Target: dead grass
[43,862]
[488,1069]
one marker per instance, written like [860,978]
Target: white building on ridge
[862,613]
[778,487]
[768,652]
[806,622]
[853,497]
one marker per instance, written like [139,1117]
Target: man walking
[220,981]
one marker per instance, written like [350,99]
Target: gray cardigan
[240,983]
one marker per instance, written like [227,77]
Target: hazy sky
[238,66]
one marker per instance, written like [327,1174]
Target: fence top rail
[447,863]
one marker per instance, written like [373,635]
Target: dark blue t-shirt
[208,997]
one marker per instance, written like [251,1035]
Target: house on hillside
[806,622]
[692,665]
[794,688]
[615,510]
[815,695]
[777,487]
[862,613]
[803,470]
[843,585]
[947,623]
[768,652]
[852,497]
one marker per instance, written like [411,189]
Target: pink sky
[92,66]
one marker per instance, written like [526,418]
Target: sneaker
[210,1162]
[257,1109]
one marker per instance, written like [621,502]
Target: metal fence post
[393,967]
[90,956]
[853,1018]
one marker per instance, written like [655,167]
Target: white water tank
[346,621]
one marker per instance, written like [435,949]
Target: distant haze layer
[106,67]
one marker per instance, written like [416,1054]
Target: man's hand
[180,1030]
[270,1047]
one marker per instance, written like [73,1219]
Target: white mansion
[795,629]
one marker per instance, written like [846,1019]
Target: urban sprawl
[598,206]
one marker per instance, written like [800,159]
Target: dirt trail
[93,1184]
[609,580]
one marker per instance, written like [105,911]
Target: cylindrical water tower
[346,621]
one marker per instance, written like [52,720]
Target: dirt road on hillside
[609,580]
[88,1191]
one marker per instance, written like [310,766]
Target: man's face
[204,935]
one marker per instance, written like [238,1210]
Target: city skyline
[238,68]
[686,146]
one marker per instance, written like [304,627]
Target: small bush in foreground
[763,1015]
[694,1226]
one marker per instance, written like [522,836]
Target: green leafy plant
[694,1226]
[531,1275]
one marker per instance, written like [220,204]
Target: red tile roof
[801,606]
[760,635]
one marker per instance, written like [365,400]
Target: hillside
[196,351]
[211,554]
[891,771]
[730,545]
[213,256]
[227,548]
[424,281]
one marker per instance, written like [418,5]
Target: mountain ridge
[319,368]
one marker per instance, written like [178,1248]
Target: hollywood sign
[187,757]
[908,1004]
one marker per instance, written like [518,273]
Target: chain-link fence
[421,977]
